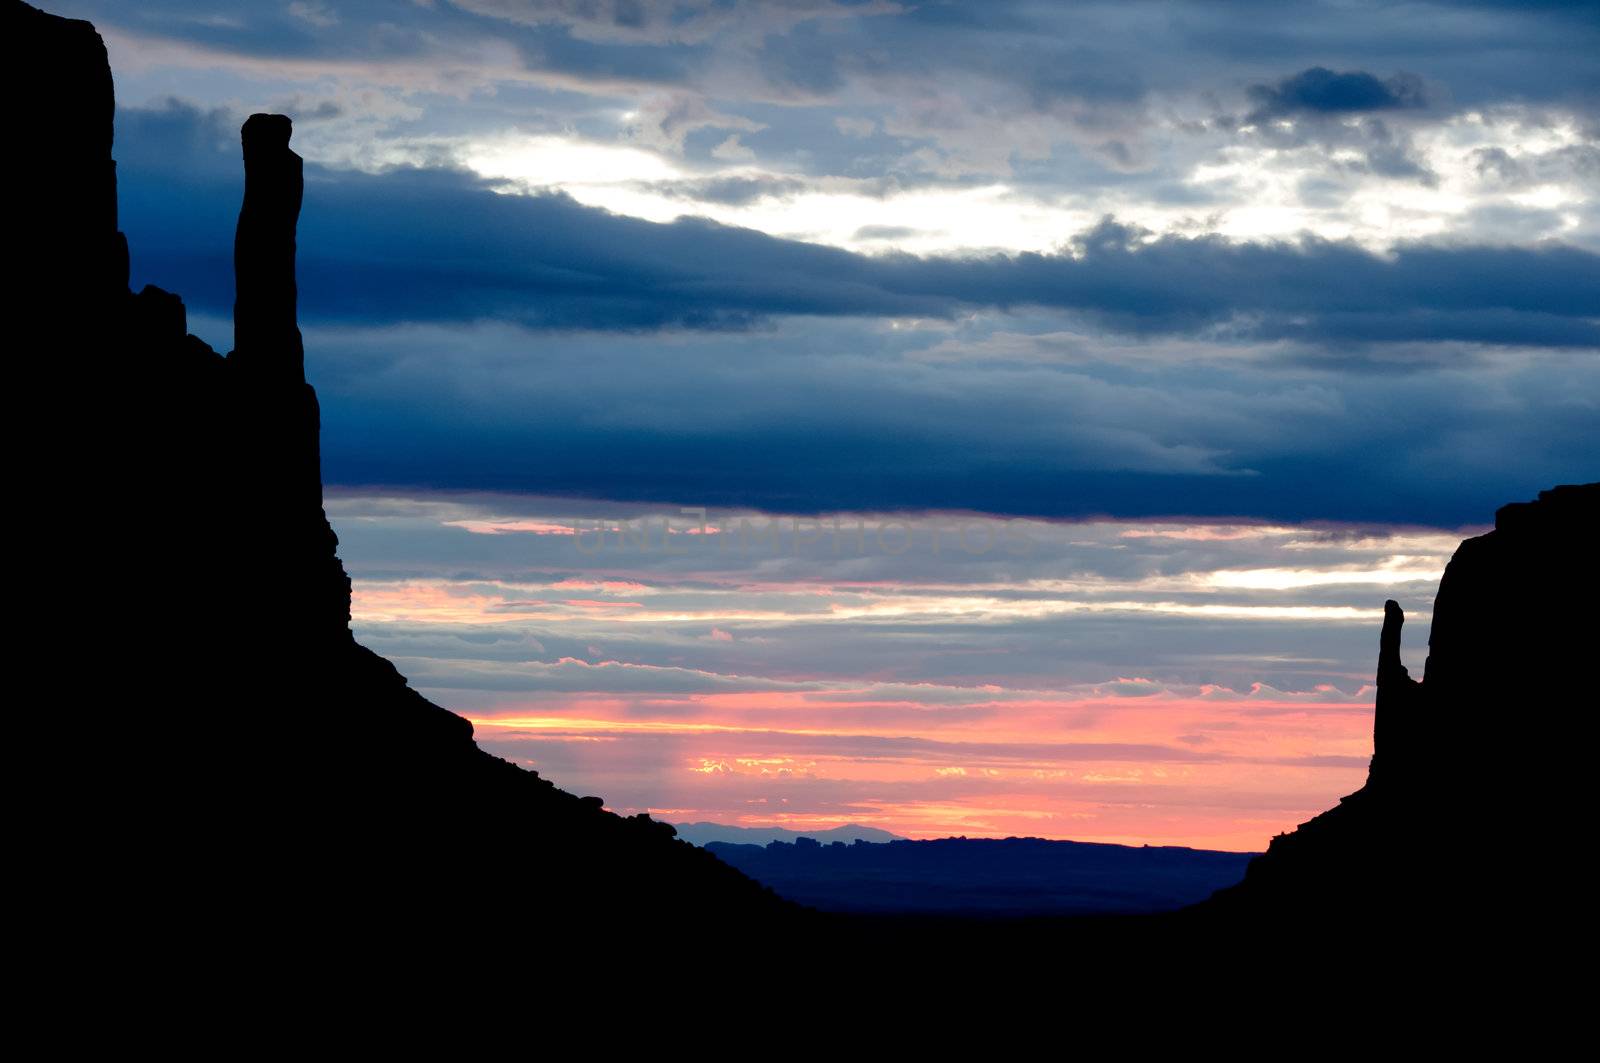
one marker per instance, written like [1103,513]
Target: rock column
[266,337]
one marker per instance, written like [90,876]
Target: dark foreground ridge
[217,770]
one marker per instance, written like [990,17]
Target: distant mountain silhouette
[986,876]
[706,833]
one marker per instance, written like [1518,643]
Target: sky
[962,418]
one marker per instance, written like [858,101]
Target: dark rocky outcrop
[231,757]
[1475,768]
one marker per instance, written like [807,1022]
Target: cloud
[665,122]
[1018,123]
[734,189]
[1320,91]
[821,705]
[440,245]
[672,21]
[1095,88]
[700,363]
[314,12]
[884,232]
[546,261]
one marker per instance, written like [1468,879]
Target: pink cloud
[607,586]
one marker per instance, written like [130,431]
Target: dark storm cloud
[841,415]
[1320,91]
[435,245]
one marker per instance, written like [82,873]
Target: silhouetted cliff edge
[232,758]
[1479,783]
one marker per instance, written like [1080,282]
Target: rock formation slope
[250,762]
[1477,765]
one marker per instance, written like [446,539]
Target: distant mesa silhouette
[705,833]
[220,771]
[985,877]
